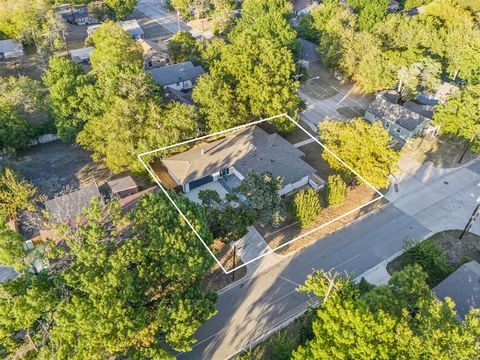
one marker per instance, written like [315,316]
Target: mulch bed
[356,197]
[216,279]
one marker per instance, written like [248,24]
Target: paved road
[248,310]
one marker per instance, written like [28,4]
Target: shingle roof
[67,207]
[171,74]
[132,27]
[249,149]
[122,184]
[82,54]
[463,287]
[10,45]
[382,108]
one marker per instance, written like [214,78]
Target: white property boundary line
[157,180]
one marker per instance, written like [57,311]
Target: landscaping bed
[216,279]
[313,157]
[441,255]
[293,137]
[356,197]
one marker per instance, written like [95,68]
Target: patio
[214,185]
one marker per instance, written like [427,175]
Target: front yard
[452,252]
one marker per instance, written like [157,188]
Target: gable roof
[383,108]
[463,287]
[132,27]
[69,206]
[82,54]
[248,149]
[10,45]
[171,74]
[122,184]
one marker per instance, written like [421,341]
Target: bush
[430,257]
[335,191]
[306,207]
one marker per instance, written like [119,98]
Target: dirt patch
[442,152]
[356,197]
[216,279]
[457,251]
[163,175]
[58,167]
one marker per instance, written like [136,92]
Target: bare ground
[217,279]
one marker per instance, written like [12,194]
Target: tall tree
[399,320]
[64,79]
[12,251]
[184,47]
[306,207]
[121,8]
[364,147]
[16,195]
[126,286]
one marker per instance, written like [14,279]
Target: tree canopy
[124,285]
[184,47]
[402,319]
[362,146]
[16,195]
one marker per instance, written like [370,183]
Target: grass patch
[439,255]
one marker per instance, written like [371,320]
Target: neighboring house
[10,49]
[154,55]
[402,121]
[305,10]
[75,14]
[122,187]
[172,95]
[130,26]
[177,76]
[441,95]
[415,11]
[463,287]
[236,155]
[129,203]
[393,6]
[81,56]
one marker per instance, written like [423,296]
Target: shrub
[335,191]
[306,207]
[430,257]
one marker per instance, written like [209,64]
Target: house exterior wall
[394,129]
[292,186]
[182,85]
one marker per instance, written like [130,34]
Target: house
[81,56]
[235,155]
[402,121]
[10,49]
[122,187]
[154,55]
[463,287]
[177,76]
[130,26]
[67,207]
[75,14]
[441,95]
[415,11]
[393,6]
[129,202]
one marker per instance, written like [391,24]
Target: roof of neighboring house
[463,287]
[128,203]
[172,95]
[249,149]
[416,11]
[122,184]
[81,54]
[171,74]
[442,94]
[151,48]
[71,205]
[404,116]
[10,45]
[132,27]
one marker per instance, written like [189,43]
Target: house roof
[10,45]
[463,287]
[404,116]
[82,54]
[69,206]
[122,184]
[128,203]
[132,27]
[171,74]
[249,149]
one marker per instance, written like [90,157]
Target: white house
[130,26]
[81,56]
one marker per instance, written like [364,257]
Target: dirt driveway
[58,167]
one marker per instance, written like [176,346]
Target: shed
[463,287]
[123,187]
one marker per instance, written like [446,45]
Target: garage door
[200,182]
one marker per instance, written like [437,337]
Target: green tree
[306,207]
[335,190]
[15,131]
[370,12]
[380,324]
[63,79]
[362,146]
[460,115]
[261,192]
[121,8]
[184,47]
[12,252]
[127,286]
[16,195]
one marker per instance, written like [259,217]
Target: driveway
[261,304]
[327,96]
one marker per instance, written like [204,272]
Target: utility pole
[470,222]
[178,21]
[467,148]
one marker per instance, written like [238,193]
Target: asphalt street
[254,307]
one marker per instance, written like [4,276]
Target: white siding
[290,187]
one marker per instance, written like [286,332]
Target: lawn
[455,252]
